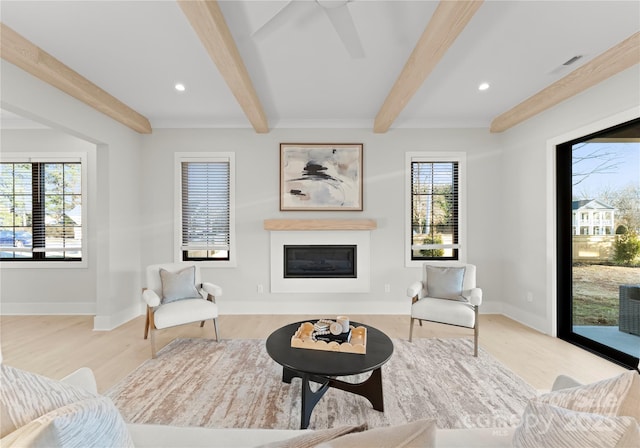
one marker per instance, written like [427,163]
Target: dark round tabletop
[319,362]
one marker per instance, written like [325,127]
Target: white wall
[115,286]
[133,212]
[528,263]
[257,199]
[75,288]
[510,205]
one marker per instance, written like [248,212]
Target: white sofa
[18,385]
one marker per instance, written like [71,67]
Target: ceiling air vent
[562,68]
[572,60]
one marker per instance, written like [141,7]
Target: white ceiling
[303,75]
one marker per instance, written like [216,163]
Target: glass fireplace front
[320,261]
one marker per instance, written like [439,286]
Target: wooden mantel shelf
[320,224]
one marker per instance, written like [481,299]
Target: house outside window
[205,208]
[593,216]
[435,207]
[41,208]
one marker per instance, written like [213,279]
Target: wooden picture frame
[321,176]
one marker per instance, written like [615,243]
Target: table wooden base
[371,389]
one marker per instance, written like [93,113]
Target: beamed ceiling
[321,63]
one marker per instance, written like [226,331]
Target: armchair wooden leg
[475,342]
[153,343]
[211,299]
[411,329]
[476,333]
[150,328]
[215,327]
[146,323]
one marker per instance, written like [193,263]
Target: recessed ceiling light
[483,86]
[180,87]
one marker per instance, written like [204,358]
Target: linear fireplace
[320,261]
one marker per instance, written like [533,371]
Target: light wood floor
[57,345]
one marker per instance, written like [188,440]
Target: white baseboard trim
[47,308]
[491,308]
[538,323]
[109,322]
[320,308]
[324,307]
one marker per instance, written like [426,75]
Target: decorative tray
[303,339]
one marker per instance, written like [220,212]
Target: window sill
[212,264]
[43,264]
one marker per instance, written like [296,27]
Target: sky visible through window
[617,168]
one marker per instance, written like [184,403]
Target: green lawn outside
[596,291]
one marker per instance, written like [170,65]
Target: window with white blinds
[434,208]
[205,208]
[41,203]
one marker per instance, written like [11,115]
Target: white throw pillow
[544,425]
[445,282]
[25,396]
[179,285]
[91,422]
[614,396]
[601,414]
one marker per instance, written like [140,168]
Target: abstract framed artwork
[319,176]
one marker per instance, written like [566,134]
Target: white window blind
[434,210]
[206,206]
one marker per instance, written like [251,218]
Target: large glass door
[598,199]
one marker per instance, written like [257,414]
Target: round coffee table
[322,367]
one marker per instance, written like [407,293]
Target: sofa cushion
[314,438]
[442,310]
[90,422]
[545,425]
[25,396]
[179,285]
[564,382]
[183,311]
[619,395]
[420,433]
[146,435]
[496,437]
[445,282]
[631,404]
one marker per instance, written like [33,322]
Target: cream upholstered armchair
[448,295]
[175,295]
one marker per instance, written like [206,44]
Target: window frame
[437,156]
[204,157]
[55,157]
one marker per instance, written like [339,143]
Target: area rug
[235,384]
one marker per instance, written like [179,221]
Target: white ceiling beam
[446,24]
[29,57]
[207,20]
[616,59]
